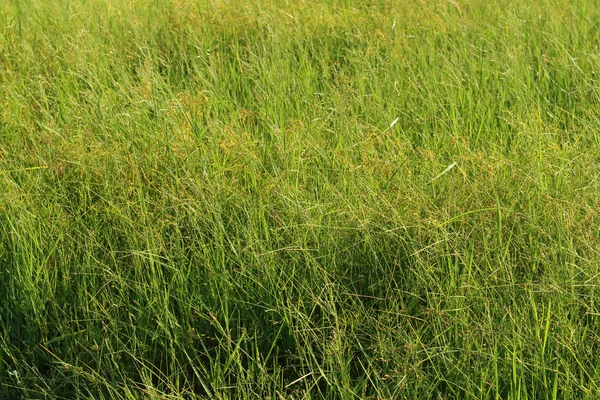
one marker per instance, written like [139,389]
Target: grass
[302,200]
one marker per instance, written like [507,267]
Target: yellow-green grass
[299,199]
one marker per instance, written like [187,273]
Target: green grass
[311,199]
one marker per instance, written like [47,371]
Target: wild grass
[302,200]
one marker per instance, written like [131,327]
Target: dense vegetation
[299,199]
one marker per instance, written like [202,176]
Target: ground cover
[299,199]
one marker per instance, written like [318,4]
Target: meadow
[312,199]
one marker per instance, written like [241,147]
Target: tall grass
[314,199]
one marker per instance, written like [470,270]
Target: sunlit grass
[315,199]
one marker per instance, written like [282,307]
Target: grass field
[318,199]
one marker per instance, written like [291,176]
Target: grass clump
[321,199]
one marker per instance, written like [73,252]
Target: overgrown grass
[299,199]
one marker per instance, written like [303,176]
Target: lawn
[312,199]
